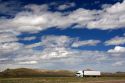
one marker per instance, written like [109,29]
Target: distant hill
[26,72]
[117,74]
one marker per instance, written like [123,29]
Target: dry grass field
[64,80]
[24,75]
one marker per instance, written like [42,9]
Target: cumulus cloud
[85,43]
[58,47]
[40,18]
[55,49]
[57,52]
[9,42]
[111,17]
[7,37]
[116,41]
[52,41]
[117,49]
[10,47]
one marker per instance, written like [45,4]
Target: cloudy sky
[62,34]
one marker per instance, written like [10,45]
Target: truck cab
[79,74]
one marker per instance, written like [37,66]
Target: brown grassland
[23,75]
[64,80]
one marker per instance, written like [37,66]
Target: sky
[63,34]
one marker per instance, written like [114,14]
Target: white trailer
[87,73]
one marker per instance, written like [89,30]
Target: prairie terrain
[24,75]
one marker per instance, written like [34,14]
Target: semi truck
[88,73]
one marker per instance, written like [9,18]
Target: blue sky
[62,34]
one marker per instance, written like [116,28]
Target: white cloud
[9,42]
[59,41]
[56,52]
[37,8]
[116,41]
[52,41]
[85,42]
[110,18]
[66,6]
[117,49]
[118,63]
[117,8]
[53,55]
[7,37]
[58,47]
[10,47]
[28,62]
[54,47]
[40,18]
